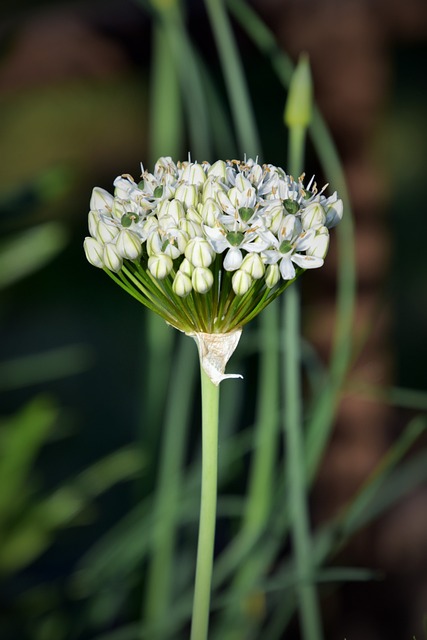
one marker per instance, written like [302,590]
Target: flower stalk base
[215,350]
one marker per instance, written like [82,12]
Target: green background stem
[205,545]
[308,605]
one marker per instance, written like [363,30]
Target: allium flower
[208,246]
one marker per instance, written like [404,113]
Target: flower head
[208,246]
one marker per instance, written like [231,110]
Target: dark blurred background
[74,99]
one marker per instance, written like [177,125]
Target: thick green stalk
[205,545]
[308,604]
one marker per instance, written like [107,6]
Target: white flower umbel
[208,246]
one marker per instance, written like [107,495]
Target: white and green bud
[160,266]
[186,268]
[241,282]
[202,279]
[320,243]
[107,232]
[176,210]
[253,265]
[154,242]
[191,228]
[334,213]
[272,275]
[101,200]
[93,221]
[211,188]
[194,174]
[218,170]
[182,284]
[111,258]
[94,252]
[199,252]
[313,216]
[175,243]
[187,194]
[128,245]
[210,212]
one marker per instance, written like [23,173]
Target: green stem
[308,604]
[244,120]
[205,546]
[295,450]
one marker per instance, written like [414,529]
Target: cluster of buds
[208,246]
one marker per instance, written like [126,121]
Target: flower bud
[199,252]
[217,169]
[154,242]
[191,228]
[211,188]
[194,174]
[94,252]
[128,245]
[111,258]
[210,212]
[241,282]
[274,215]
[106,231]
[187,194]
[160,266]
[202,279]
[176,210]
[300,96]
[313,216]
[182,285]
[334,213]
[320,243]
[272,275]
[101,200]
[186,267]
[93,221]
[253,265]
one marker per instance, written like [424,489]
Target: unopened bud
[160,266]
[241,282]
[94,252]
[202,279]
[111,258]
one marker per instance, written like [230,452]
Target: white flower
[288,248]
[235,241]
[250,220]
